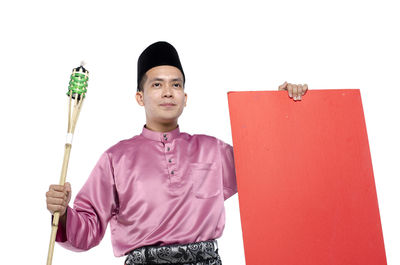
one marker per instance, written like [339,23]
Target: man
[162,191]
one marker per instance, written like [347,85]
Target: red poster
[306,186]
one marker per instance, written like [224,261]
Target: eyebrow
[161,79]
[156,79]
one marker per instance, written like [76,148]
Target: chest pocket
[205,180]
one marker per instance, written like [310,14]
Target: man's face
[163,96]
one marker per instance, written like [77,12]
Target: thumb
[283,86]
[67,188]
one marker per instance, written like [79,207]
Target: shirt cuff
[61,235]
[228,192]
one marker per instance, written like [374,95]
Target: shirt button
[172,172]
[165,138]
[169,160]
[168,149]
[165,135]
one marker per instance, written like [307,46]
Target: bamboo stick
[72,120]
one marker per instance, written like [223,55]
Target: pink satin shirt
[155,189]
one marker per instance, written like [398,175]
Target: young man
[162,191]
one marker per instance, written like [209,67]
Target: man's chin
[168,120]
[169,117]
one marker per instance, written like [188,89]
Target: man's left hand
[294,91]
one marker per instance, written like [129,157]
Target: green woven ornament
[78,82]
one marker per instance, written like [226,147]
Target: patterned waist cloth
[198,253]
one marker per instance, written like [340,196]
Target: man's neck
[161,127]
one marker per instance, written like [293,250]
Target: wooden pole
[76,95]
[72,120]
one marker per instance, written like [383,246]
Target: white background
[224,46]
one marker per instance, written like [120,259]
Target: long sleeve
[228,170]
[94,206]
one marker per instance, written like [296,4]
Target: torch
[76,94]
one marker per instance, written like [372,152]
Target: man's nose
[167,91]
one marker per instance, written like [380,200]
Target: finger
[56,187]
[56,208]
[56,201]
[294,92]
[299,91]
[56,194]
[67,186]
[290,90]
[283,86]
[51,208]
[68,190]
[305,88]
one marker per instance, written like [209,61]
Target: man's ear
[139,98]
[185,99]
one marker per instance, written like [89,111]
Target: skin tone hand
[294,91]
[57,199]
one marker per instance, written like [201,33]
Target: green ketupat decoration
[78,82]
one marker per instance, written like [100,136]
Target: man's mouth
[167,104]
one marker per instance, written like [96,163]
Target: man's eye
[177,85]
[156,84]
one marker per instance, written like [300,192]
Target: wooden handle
[72,120]
[52,242]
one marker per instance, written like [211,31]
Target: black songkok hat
[158,53]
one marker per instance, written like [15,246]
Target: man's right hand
[58,197]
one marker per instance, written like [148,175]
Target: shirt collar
[161,136]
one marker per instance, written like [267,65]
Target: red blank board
[305,181]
